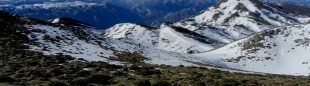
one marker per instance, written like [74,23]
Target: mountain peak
[231,20]
[233,12]
[255,3]
[226,9]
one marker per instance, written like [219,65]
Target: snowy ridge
[231,20]
[165,37]
[134,33]
[244,9]
[53,40]
[132,37]
[80,42]
[279,51]
[174,39]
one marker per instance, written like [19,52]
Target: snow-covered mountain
[223,23]
[283,50]
[235,34]
[166,37]
[74,38]
[210,37]
[231,20]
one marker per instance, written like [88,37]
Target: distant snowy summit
[230,20]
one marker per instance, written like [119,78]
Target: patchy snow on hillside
[154,55]
[52,40]
[277,51]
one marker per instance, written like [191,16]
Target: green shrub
[134,57]
[6,79]
[142,82]
[80,82]
[82,73]
[119,73]
[57,84]
[229,82]
[161,83]
[100,79]
[199,84]
[57,71]
[146,72]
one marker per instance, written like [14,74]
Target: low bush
[229,82]
[100,79]
[57,84]
[142,82]
[6,79]
[134,57]
[161,83]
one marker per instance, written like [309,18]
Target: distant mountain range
[159,11]
[98,12]
[99,15]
